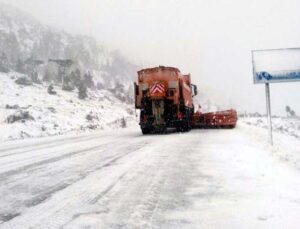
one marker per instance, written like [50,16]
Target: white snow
[286,125]
[122,179]
[286,134]
[58,114]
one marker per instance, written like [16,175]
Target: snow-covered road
[121,179]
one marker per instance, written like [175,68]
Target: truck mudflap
[220,119]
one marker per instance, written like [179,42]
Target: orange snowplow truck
[164,96]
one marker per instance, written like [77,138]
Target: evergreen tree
[4,63]
[47,75]
[20,66]
[123,123]
[82,90]
[75,77]
[287,110]
[292,113]
[100,86]
[88,79]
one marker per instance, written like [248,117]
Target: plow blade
[220,119]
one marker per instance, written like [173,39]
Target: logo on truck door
[157,88]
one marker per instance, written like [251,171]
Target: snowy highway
[122,179]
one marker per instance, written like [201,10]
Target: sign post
[268,103]
[275,66]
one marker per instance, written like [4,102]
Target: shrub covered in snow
[52,109]
[23,80]
[91,117]
[16,106]
[20,115]
[51,90]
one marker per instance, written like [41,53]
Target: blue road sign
[273,77]
[276,65]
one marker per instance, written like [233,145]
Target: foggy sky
[211,39]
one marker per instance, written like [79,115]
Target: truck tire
[186,126]
[145,130]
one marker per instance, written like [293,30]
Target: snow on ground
[208,179]
[121,179]
[58,114]
[286,135]
[286,125]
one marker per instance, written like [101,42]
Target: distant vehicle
[165,98]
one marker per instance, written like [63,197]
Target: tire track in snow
[67,202]
[21,162]
[135,201]
[47,145]
[47,161]
[107,161]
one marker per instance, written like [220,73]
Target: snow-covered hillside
[26,47]
[23,39]
[57,114]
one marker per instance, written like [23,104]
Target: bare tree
[287,110]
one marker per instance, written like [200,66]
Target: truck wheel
[179,127]
[186,126]
[189,125]
[145,130]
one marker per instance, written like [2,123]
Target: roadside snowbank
[286,135]
[289,126]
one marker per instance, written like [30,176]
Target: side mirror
[195,90]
